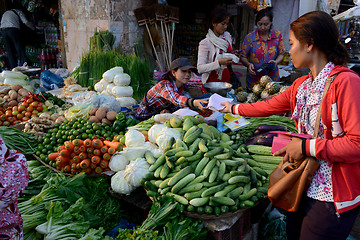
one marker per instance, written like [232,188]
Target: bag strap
[317,121]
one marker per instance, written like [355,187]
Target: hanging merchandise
[258,4]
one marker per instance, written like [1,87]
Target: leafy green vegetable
[138,234]
[15,139]
[184,228]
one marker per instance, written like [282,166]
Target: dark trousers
[14,44]
[317,220]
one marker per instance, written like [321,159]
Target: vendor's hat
[183,64]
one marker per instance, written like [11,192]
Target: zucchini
[199,179]
[226,177]
[237,179]
[182,183]
[260,171]
[208,168]
[157,171]
[149,157]
[223,200]
[214,152]
[224,209]
[201,165]
[179,199]
[180,160]
[187,125]
[200,210]
[208,210]
[194,147]
[198,202]
[217,211]
[180,175]
[159,161]
[191,187]
[188,139]
[252,162]
[253,178]
[190,208]
[164,171]
[173,151]
[164,183]
[193,195]
[249,203]
[202,146]
[248,195]
[267,159]
[259,150]
[225,191]
[213,190]
[195,157]
[235,193]
[232,163]
[213,174]
[222,170]
[185,153]
[164,191]
[208,185]
[223,156]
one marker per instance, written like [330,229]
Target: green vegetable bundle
[15,139]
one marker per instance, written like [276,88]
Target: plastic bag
[78,111]
[110,102]
[50,80]
[88,97]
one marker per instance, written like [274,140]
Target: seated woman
[166,95]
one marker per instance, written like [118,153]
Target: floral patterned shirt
[13,180]
[259,51]
[308,99]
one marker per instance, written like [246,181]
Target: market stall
[96,172]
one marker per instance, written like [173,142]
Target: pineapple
[265,94]
[251,98]
[283,88]
[242,96]
[257,89]
[272,87]
[264,80]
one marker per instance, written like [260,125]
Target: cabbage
[154,130]
[122,79]
[110,74]
[153,148]
[122,91]
[120,185]
[135,171]
[118,162]
[132,153]
[134,138]
[99,87]
[163,137]
[126,101]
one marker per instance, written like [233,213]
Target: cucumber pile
[205,171]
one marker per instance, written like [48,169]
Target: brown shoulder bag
[288,181]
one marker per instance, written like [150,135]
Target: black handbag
[234,80]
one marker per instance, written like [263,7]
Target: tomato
[3,117]
[24,119]
[30,109]
[11,119]
[34,115]
[14,113]
[25,104]
[15,108]
[6,123]
[34,104]
[28,114]
[30,100]
[39,108]
[8,113]
[21,108]
[20,116]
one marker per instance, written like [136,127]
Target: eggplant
[261,139]
[266,128]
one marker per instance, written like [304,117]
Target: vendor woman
[166,95]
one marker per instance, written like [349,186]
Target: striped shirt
[164,95]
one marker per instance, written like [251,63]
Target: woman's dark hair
[217,16]
[318,28]
[266,12]
[169,75]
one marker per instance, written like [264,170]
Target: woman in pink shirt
[13,180]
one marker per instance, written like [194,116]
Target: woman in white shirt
[212,61]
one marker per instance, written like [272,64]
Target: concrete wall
[82,17]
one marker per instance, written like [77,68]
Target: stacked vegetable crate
[205,171]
